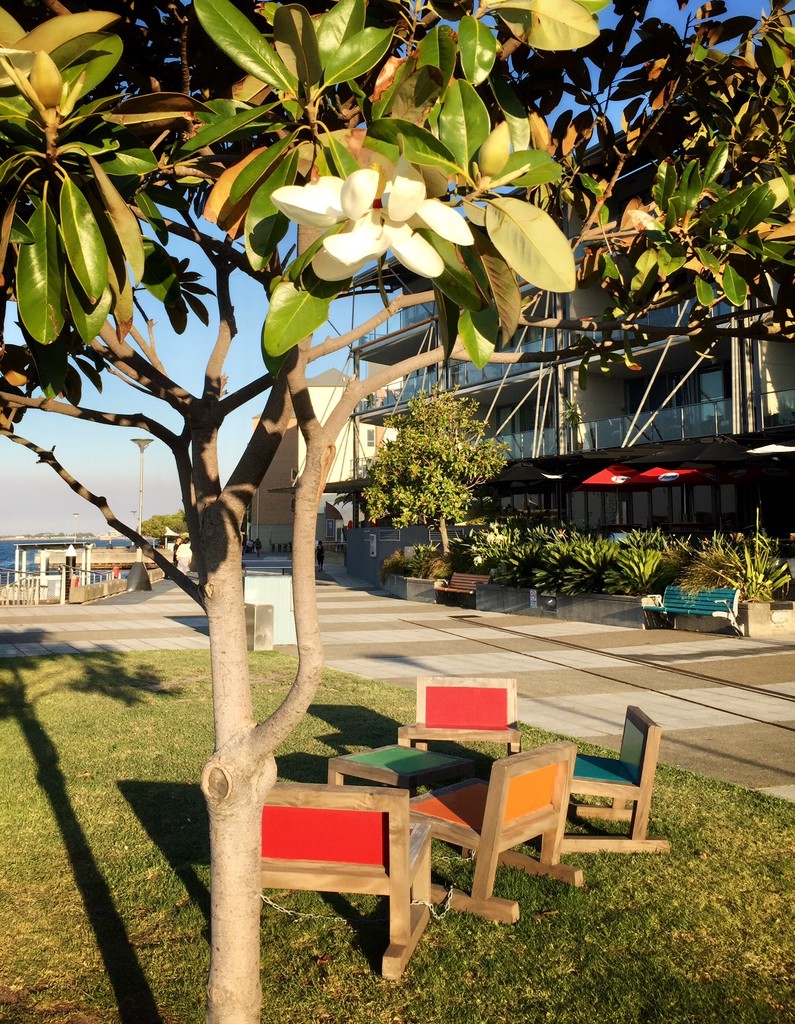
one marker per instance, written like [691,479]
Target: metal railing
[52,587]
[778,408]
[674,424]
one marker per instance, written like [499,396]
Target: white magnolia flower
[377,217]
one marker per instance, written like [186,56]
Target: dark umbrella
[714,451]
[525,472]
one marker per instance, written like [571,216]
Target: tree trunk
[238,777]
[235,782]
[443,533]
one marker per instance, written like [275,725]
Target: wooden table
[404,767]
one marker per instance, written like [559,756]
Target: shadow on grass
[174,816]
[110,676]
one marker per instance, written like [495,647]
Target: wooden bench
[721,602]
[461,583]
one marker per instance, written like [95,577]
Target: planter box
[604,609]
[771,619]
[514,601]
[408,588]
[757,619]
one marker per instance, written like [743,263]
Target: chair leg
[561,872]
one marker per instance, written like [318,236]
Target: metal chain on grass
[445,906]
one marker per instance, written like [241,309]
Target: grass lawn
[104,871]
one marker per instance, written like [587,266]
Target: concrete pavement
[726,704]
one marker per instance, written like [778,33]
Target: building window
[370,440]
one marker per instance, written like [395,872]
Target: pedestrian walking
[184,556]
[320,554]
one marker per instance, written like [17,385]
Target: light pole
[74,537]
[143,443]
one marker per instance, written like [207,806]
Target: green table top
[404,760]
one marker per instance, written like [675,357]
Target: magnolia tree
[482,145]
[428,471]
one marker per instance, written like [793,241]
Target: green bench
[720,602]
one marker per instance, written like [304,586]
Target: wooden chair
[628,777]
[526,796]
[465,708]
[351,840]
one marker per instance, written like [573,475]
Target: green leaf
[40,290]
[292,316]
[664,185]
[532,243]
[549,24]
[503,285]
[478,49]
[358,55]
[233,33]
[458,280]
[132,162]
[56,31]
[690,188]
[259,168]
[223,128]
[756,209]
[160,275]
[438,50]
[51,366]
[704,292]
[344,163]
[478,334]
[646,273]
[83,242]
[418,145]
[345,19]
[447,313]
[296,43]
[735,287]
[94,55]
[154,217]
[123,220]
[529,169]
[513,111]
[716,164]
[88,319]
[464,123]
[265,225]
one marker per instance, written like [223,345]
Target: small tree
[439,456]
[157,525]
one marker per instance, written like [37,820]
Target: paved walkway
[727,705]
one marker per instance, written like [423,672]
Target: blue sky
[104,459]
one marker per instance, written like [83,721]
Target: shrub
[428,563]
[751,565]
[395,564]
[640,571]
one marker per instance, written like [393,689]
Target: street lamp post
[143,443]
[74,537]
[138,577]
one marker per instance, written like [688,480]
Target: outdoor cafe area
[688,489]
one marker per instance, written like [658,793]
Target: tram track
[635,662]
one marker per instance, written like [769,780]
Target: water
[7,548]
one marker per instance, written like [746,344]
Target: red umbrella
[659,477]
[613,478]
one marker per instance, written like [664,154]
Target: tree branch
[47,458]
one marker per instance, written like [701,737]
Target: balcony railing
[531,444]
[672,424]
[778,409]
[398,394]
[402,321]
